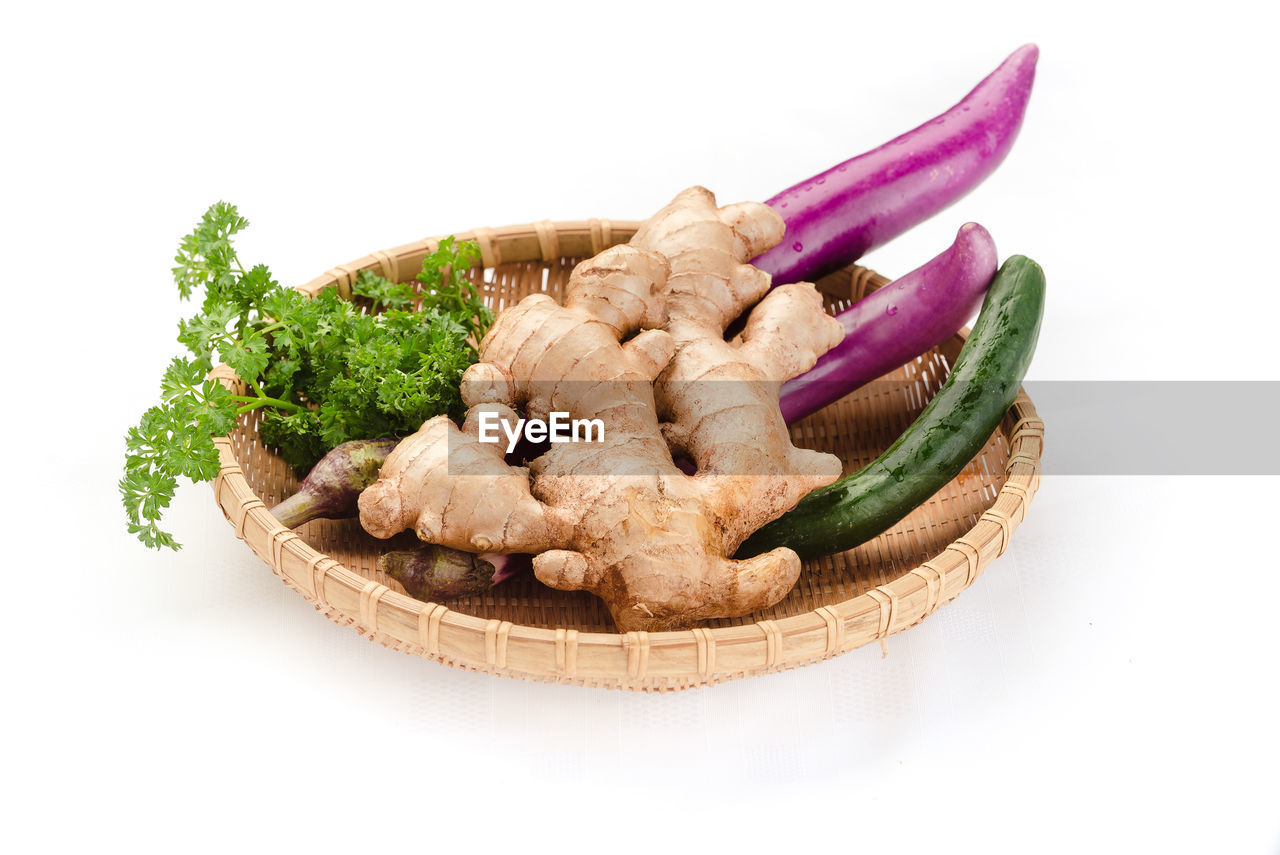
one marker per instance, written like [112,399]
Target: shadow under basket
[523,629]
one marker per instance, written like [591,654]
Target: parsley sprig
[322,371]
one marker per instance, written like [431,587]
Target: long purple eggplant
[898,323]
[836,217]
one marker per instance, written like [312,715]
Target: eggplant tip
[974,230]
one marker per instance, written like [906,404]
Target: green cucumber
[954,427]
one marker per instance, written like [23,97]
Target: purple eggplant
[897,323]
[431,572]
[332,486]
[836,217]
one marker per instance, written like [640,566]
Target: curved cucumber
[954,427]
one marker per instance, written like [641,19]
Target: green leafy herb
[322,371]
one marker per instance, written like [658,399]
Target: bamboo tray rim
[649,661]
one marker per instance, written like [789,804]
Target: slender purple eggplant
[836,217]
[332,486]
[897,323]
[431,572]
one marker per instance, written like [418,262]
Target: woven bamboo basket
[523,629]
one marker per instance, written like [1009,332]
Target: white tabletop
[1109,684]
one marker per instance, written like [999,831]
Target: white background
[1109,684]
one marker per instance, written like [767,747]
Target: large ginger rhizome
[639,345]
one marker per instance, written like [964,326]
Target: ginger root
[719,400]
[617,517]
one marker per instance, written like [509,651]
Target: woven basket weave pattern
[521,628]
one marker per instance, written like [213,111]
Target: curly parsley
[323,370]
